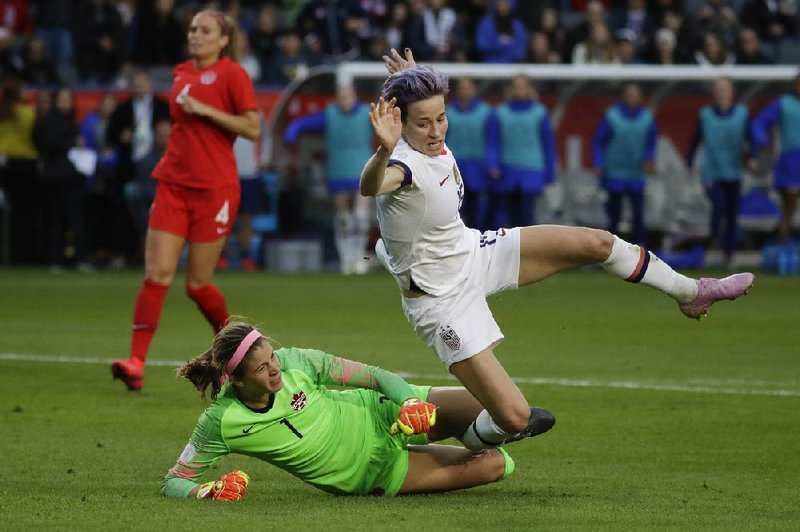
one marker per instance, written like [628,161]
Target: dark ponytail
[202,373]
[208,369]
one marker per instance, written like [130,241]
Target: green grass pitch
[663,422]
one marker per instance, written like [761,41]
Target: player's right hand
[385,120]
[230,487]
[415,417]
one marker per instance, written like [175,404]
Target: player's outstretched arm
[330,369]
[230,487]
[202,451]
[378,177]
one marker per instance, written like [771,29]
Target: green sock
[510,466]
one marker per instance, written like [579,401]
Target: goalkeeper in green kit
[369,440]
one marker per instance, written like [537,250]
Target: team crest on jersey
[208,78]
[299,401]
[450,337]
[457,174]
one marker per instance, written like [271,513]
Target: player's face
[632,95]
[723,93]
[140,84]
[346,97]
[521,89]
[205,37]
[466,89]
[262,371]
[426,125]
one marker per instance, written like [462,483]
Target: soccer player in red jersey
[212,101]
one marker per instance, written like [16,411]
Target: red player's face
[206,39]
[425,125]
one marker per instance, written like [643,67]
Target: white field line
[709,386]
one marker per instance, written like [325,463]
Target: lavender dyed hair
[414,85]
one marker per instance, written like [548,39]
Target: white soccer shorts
[459,324]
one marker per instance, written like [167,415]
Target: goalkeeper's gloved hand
[415,417]
[230,487]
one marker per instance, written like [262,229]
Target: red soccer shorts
[197,214]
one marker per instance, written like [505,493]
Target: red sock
[146,315]
[211,303]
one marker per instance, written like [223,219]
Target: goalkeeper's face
[262,370]
[426,125]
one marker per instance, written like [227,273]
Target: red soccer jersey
[200,153]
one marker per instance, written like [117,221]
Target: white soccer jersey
[423,236]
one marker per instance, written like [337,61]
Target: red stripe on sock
[632,277]
[146,315]
[211,303]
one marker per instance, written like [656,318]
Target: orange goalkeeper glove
[230,487]
[415,417]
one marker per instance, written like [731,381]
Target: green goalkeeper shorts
[389,458]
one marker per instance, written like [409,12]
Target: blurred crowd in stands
[96,42]
[77,193]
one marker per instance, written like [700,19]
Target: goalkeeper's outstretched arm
[205,447]
[330,369]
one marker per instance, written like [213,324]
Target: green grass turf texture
[79,452]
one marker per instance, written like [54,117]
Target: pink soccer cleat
[129,373]
[709,291]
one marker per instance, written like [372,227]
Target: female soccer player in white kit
[445,270]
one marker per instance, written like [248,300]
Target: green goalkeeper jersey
[327,438]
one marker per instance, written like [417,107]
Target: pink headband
[220,18]
[242,350]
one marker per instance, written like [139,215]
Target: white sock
[341,228]
[360,231]
[483,433]
[637,265]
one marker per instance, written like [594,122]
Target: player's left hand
[394,62]
[415,417]
[193,106]
[230,487]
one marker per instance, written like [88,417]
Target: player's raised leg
[548,249]
[433,468]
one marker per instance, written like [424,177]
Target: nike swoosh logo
[221,230]
[248,429]
[441,183]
